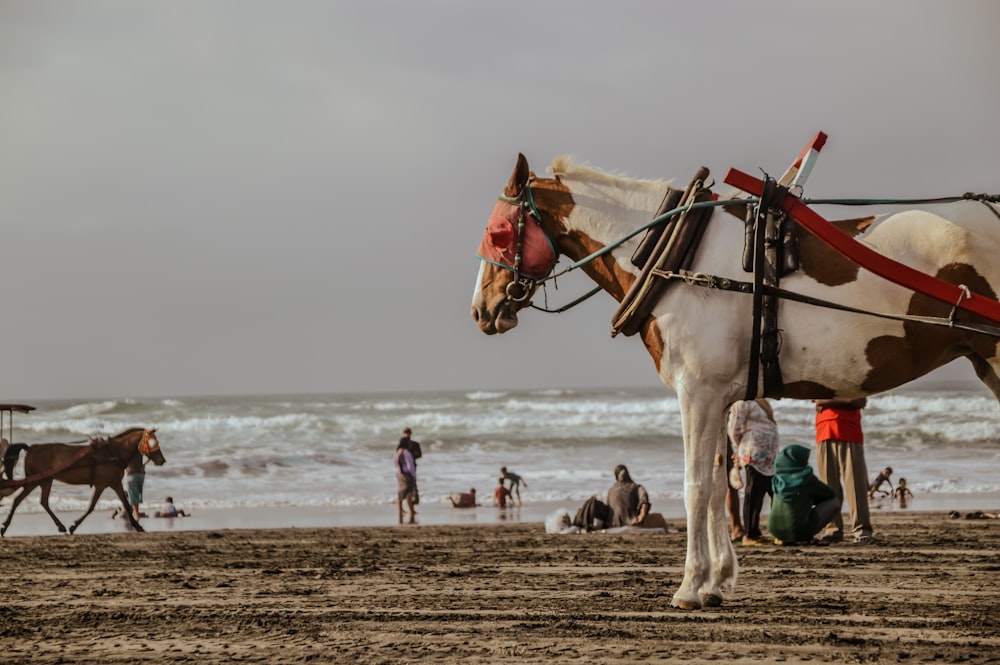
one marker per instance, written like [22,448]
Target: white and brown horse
[699,338]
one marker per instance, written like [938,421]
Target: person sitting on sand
[803,504]
[463,499]
[881,479]
[902,493]
[501,494]
[628,502]
[627,506]
[170,510]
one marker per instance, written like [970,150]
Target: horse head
[516,253]
[149,446]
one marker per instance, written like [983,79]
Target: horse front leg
[98,491]
[25,491]
[46,486]
[710,562]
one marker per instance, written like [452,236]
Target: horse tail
[10,458]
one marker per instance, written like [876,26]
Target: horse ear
[519,178]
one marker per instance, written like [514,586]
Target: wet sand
[489,593]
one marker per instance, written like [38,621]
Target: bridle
[144,446]
[497,243]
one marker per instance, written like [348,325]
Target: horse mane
[564,165]
[129,431]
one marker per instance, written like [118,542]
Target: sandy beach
[485,593]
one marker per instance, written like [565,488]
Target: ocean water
[335,451]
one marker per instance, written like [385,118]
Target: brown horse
[100,464]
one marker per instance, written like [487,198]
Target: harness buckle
[523,284]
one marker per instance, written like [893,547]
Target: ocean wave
[485,395]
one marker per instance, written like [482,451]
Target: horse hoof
[711,600]
[62,529]
[72,530]
[686,604]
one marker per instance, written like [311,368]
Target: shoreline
[38,523]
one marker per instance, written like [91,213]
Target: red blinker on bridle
[514,240]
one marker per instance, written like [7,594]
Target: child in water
[901,493]
[515,484]
[881,479]
[501,494]
[170,510]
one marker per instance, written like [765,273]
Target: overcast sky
[237,196]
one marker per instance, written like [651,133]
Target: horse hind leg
[46,486]
[25,491]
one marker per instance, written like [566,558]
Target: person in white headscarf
[753,431]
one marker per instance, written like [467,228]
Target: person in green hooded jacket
[803,504]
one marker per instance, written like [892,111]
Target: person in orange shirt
[840,458]
[501,494]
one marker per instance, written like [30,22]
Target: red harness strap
[951,294]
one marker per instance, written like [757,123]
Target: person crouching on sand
[501,494]
[803,504]
[883,478]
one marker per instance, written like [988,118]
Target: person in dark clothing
[411,445]
[902,493]
[883,478]
[803,504]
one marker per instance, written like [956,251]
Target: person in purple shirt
[406,479]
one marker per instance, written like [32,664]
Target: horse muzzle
[499,320]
